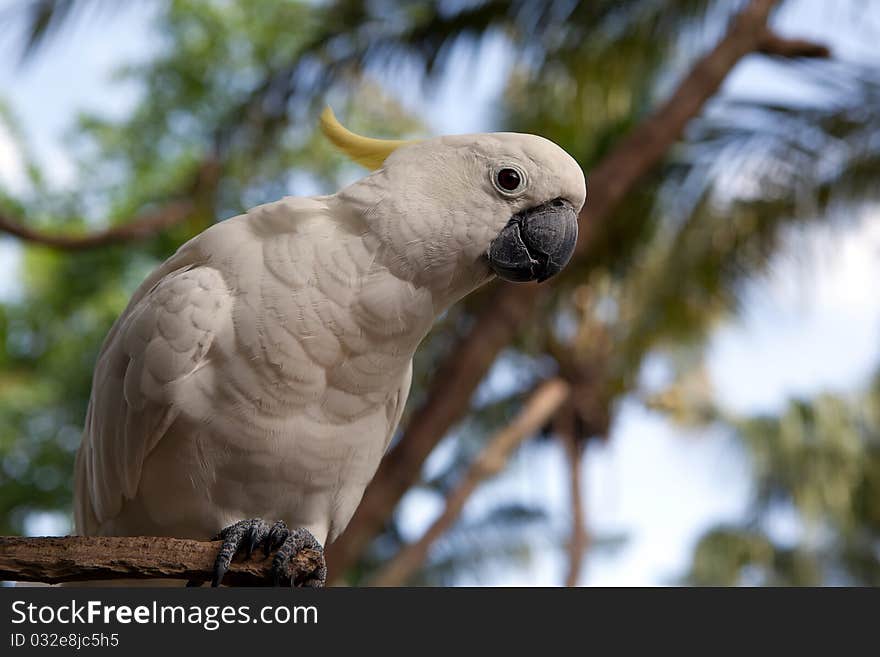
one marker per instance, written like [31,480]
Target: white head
[450,211]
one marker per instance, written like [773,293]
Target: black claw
[277,535]
[219,571]
[251,540]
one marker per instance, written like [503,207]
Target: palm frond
[43,20]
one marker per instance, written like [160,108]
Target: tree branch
[147,225]
[536,412]
[775,45]
[511,305]
[88,558]
[150,223]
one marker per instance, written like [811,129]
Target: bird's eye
[509,180]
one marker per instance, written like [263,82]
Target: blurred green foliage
[817,469]
[237,88]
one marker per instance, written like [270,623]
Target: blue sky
[811,324]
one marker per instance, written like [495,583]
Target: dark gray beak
[536,243]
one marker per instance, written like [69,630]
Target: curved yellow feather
[366,151]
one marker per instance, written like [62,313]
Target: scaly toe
[247,533]
[278,533]
[283,573]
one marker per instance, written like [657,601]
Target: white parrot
[261,371]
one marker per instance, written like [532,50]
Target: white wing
[164,336]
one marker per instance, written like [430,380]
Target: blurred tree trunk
[579,541]
[536,412]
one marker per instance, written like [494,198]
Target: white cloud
[10,261]
[12,172]
[13,178]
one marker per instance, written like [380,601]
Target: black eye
[508,179]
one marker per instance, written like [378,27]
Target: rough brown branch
[510,307]
[536,412]
[88,558]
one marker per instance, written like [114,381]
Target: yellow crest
[366,151]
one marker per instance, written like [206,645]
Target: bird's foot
[249,534]
[292,542]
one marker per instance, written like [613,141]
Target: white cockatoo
[261,371]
